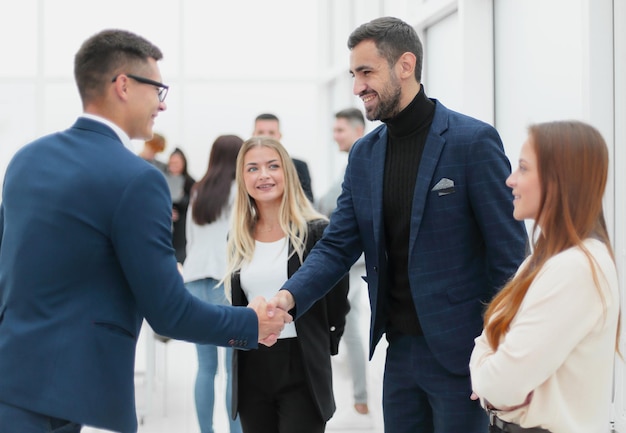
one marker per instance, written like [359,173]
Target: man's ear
[121,86]
[406,65]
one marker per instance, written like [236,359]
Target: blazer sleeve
[142,240]
[337,304]
[1,222]
[505,238]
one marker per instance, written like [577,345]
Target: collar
[124,138]
[414,117]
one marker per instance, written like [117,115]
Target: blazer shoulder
[461,129]
[446,116]
[315,231]
[373,136]
[364,145]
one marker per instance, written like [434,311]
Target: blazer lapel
[430,159]
[293,264]
[379,152]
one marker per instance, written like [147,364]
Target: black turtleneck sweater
[407,134]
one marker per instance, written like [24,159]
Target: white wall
[507,62]
[619,193]
[226,62]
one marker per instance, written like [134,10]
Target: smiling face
[375,82]
[263,175]
[144,102]
[524,182]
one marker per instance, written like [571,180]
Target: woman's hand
[488,405]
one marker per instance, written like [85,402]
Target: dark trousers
[273,393]
[420,396]
[17,420]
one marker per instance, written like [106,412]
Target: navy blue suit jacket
[85,254]
[464,243]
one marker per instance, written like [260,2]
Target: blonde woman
[544,361]
[286,387]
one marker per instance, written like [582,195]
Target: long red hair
[573,161]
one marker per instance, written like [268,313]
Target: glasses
[163,88]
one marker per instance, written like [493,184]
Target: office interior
[510,63]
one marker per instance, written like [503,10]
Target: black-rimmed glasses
[163,88]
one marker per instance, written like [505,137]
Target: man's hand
[282,300]
[271,320]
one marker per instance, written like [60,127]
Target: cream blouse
[560,347]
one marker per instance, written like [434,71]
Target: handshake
[272,315]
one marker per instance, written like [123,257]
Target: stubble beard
[389,103]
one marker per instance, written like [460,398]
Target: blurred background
[507,62]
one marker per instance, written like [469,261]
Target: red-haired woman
[544,361]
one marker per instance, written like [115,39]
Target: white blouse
[560,346]
[206,245]
[266,273]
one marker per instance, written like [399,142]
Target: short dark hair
[267,116]
[354,116]
[106,54]
[393,37]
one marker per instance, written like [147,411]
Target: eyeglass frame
[163,88]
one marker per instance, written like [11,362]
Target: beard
[388,102]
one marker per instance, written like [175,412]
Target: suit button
[332,328]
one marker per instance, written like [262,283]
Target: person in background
[151,148]
[208,221]
[287,388]
[268,124]
[348,128]
[86,254]
[544,362]
[180,183]
[424,197]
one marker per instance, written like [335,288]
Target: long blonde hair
[572,160]
[295,210]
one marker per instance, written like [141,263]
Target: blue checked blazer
[464,243]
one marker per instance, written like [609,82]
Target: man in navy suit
[424,197]
[86,253]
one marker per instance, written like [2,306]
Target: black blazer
[319,331]
[179,239]
[302,168]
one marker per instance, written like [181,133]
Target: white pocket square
[445,186]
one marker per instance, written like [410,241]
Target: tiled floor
[169,406]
